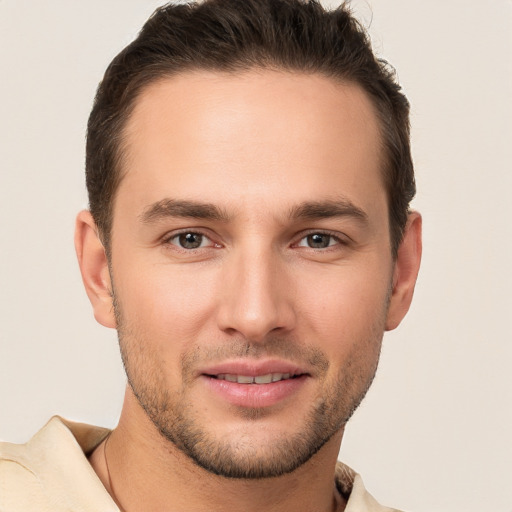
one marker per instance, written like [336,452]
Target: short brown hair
[235,35]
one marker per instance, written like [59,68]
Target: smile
[259,379]
[255,391]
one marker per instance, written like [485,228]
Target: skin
[271,153]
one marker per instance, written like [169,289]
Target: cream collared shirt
[51,473]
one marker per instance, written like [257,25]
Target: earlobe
[405,272]
[94,269]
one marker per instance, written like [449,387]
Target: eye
[318,241]
[190,240]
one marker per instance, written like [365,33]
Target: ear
[407,265]
[94,268]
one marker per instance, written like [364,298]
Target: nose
[257,295]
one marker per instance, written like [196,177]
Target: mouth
[268,378]
[255,384]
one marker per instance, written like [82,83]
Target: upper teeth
[260,379]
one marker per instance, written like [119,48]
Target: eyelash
[167,240]
[337,237]
[339,240]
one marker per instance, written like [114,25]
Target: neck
[143,471]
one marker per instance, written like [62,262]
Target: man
[250,238]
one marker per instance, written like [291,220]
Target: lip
[254,395]
[253,368]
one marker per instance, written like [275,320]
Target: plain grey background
[434,433]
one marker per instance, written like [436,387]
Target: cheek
[344,304]
[163,301]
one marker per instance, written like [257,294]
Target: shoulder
[49,470]
[21,487]
[350,485]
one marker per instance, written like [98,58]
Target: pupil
[318,241]
[190,240]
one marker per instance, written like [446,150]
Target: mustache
[272,348]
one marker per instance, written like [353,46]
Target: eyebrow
[182,208]
[315,210]
[310,210]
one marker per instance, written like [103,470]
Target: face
[251,264]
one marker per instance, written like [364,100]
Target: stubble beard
[240,456]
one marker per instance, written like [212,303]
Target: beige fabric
[51,473]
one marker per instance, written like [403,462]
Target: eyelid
[166,239]
[341,238]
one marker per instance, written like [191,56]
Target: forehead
[259,130]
